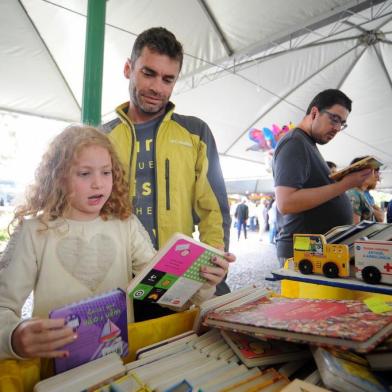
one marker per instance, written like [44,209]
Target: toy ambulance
[373,261]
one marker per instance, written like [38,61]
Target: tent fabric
[248,64]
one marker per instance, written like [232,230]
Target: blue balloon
[269,137]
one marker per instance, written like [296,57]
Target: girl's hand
[42,338]
[215,275]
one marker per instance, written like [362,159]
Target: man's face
[327,123]
[151,81]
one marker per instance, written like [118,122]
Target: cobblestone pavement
[255,261]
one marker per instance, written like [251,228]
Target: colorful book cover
[340,323]
[101,325]
[173,276]
[257,352]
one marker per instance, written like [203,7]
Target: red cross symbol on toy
[388,267]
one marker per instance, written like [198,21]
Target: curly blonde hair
[47,197]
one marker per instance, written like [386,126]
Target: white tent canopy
[250,63]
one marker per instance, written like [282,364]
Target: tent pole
[93,62]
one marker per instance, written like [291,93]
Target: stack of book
[332,329]
[186,362]
[254,341]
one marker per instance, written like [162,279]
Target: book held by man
[365,163]
[337,323]
[173,275]
[101,326]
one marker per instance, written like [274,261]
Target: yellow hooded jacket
[189,187]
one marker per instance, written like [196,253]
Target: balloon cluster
[266,138]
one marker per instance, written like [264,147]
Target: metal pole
[93,62]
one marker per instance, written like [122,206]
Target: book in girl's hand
[337,323]
[100,323]
[173,275]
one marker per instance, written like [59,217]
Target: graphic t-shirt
[144,201]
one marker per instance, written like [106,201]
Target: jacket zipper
[167,180]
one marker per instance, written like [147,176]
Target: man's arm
[292,201]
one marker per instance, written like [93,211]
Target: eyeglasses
[335,119]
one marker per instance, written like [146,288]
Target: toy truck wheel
[371,275]
[330,270]
[306,267]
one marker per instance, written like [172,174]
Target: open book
[365,163]
[173,275]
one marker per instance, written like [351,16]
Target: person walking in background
[267,204]
[272,219]
[242,215]
[308,200]
[170,160]
[260,219]
[252,215]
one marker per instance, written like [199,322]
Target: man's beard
[146,109]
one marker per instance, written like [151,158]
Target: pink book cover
[331,322]
[173,276]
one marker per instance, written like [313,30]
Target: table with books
[250,339]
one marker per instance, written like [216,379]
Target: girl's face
[90,183]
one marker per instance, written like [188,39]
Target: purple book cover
[101,325]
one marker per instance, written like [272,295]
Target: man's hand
[215,275]
[42,338]
[356,179]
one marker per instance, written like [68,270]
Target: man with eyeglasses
[308,200]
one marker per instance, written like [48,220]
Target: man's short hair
[158,40]
[328,98]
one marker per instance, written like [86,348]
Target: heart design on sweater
[88,262]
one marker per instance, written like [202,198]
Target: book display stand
[345,283]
